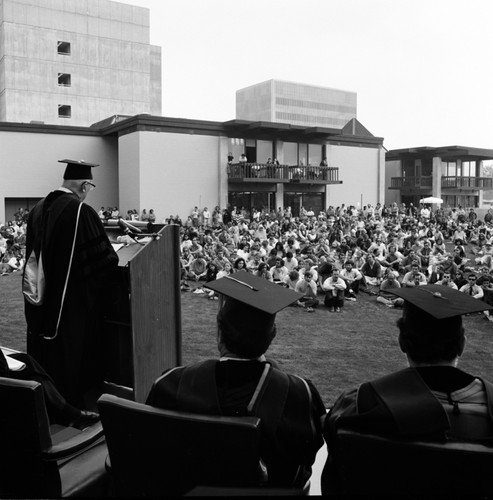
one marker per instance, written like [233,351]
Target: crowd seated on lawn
[406,245]
[13,243]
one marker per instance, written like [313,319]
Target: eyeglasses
[472,279]
[92,186]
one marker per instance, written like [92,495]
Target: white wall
[177,172]
[358,169]
[29,165]
[129,190]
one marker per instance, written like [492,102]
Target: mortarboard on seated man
[66,238]
[432,399]
[244,382]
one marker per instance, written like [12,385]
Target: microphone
[128,228]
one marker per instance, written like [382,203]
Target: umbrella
[431,199]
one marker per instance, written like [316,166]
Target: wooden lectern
[143,324]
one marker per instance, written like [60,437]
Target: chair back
[156,452]
[376,465]
[24,434]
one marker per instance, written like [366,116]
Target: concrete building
[296,103]
[75,62]
[452,173]
[171,164]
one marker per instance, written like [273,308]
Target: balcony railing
[411,182]
[265,172]
[467,182]
[450,182]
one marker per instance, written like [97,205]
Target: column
[222,172]
[479,173]
[279,195]
[436,186]
[381,176]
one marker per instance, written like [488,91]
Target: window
[64,48]
[64,79]
[468,169]
[64,111]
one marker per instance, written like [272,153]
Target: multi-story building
[296,103]
[172,164]
[75,62]
[452,173]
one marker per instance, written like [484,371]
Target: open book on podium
[143,322]
[14,364]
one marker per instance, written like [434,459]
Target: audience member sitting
[279,271]
[447,281]
[352,278]
[291,280]
[197,269]
[263,272]
[472,288]
[239,265]
[487,287]
[334,292]
[371,271]
[414,277]
[385,294]
[308,287]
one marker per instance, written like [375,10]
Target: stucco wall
[29,165]
[177,172]
[358,169]
[392,169]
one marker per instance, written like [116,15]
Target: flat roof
[444,152]
[119,125]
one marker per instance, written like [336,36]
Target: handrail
[282,172]
[446,182]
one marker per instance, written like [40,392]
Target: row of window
[64,80]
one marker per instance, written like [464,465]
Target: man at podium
[69,260]
[243,382]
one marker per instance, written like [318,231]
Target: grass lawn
[335,351]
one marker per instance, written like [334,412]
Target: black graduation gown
[66,339]
[290,409]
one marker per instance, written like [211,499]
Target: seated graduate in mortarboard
[432,399]
[244,382]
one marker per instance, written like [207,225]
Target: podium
[143,323]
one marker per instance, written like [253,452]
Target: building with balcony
[296,103]
[452,173]
[72,62]
[172,164]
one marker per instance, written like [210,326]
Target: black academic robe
[402,405]
[289,407]
[57,408]
[64,333]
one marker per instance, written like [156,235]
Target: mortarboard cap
[78,169]
[248,313]
[441,301]
[255,292]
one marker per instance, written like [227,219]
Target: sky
[422,69]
